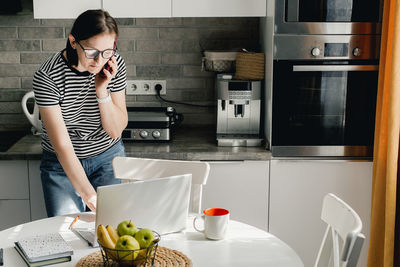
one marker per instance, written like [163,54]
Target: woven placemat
[164,257]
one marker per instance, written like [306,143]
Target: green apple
[127,242]
[126,228]
[144,237]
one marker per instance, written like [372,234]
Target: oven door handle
[335,67]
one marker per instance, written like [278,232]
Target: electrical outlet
[145,87]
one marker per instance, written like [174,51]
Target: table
[244,245]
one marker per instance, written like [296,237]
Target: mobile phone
[107,66]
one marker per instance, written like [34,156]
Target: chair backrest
[129,168]
[342,222]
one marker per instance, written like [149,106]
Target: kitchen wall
[168,49]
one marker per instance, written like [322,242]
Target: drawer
[14,179]
[13,212]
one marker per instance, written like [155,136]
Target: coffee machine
[238,112]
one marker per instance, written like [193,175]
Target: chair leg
[335,248]
[324,253]
[355,252]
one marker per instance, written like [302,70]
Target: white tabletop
[244,245]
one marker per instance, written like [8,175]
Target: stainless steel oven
[328,16]
[324,94]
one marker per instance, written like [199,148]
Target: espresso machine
[238,112]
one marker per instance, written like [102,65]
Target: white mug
[215,223]
[34,117]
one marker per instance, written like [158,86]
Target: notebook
[45,249]
[160,204]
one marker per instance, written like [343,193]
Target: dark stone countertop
[187,144]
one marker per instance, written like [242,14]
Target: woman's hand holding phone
[102,80]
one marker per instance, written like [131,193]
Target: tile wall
[165,49]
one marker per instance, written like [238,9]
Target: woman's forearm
[75,172]
[114,117]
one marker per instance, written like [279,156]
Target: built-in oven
[328,16]
[324,95]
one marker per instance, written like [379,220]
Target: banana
[104,237]
[113,233]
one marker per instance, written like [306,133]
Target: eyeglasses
[94,53]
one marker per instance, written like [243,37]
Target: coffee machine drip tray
[239,140]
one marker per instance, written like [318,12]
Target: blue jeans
[59,194]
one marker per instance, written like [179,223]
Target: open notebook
[160,204]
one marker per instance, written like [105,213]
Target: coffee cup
[215,223]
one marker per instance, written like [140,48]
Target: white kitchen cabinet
[38,208]
[242,188]
[220,8]
[138,8]
[57,9]
[14,212]
[296,191]
[14,193]
[14,179]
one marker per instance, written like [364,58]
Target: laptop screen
[160,204]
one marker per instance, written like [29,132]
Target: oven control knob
[357,52]
[156,134]
[144,134]
[315,51]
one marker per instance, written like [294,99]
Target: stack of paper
[44,249]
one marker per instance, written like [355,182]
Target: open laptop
[160,204]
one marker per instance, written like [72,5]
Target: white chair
[129,168]
[342,222]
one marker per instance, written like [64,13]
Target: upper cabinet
[220,8]
[138,8]
[57,9]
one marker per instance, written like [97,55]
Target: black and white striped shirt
[56,83]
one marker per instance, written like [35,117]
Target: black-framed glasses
[94,53]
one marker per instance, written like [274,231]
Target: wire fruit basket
[132,258]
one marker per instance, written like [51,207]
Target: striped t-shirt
[56,83]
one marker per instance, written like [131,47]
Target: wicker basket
[219,61]
[250,66]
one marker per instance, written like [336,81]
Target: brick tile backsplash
[153,48]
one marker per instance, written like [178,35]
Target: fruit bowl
[139,257]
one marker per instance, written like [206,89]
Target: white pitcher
[32,117]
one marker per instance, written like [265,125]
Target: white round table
[244,245]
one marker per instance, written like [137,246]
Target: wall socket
[145,87]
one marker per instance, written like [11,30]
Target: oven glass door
[333,10]
[320,104]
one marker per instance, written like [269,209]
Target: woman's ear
[72,41]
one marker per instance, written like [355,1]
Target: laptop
[160,204]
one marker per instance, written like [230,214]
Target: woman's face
[98,42]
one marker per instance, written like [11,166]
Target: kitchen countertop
[188,144]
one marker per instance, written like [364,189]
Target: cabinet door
[38,208]
[14,179]
[138,9]
[13,212]
[57,9]
[220,8]
[242,188]
[296,192]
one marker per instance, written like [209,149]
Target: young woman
[83,110]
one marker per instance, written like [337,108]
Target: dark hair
[87,25]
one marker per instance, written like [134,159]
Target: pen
[73,222]
[1,257]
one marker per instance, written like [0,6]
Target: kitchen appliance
[322,76]
[328,16]
[238,112]
[324,94]
[151,123]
